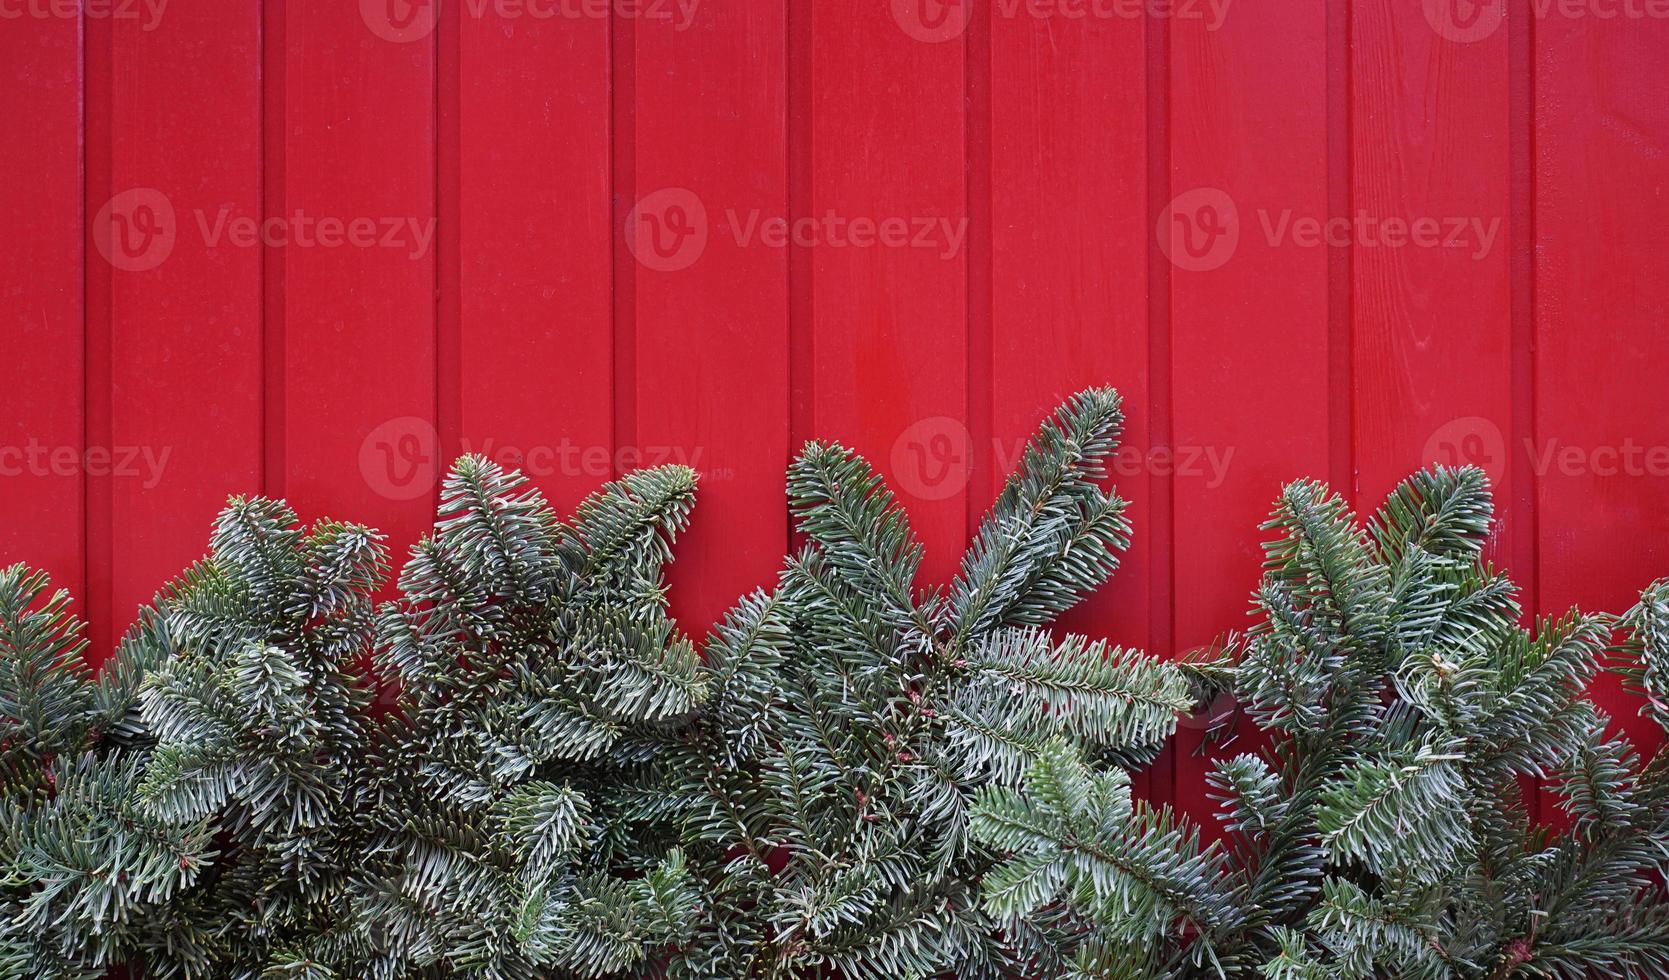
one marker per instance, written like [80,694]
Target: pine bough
[520,767]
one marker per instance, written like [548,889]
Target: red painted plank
[1068,283]
[41,300]
[1068,253]
[358,312]
[185,338]
[1431,317]
[1250,325]
[530,305]
[711,319]
[887,228]
[1602,414]
[131,229]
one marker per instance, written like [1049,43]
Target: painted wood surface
[317,248]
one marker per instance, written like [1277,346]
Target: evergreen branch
[1052,534]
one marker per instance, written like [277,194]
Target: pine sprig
[1053,534]
[856,775]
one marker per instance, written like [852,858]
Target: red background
[340,377]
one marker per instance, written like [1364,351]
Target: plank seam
[622,177]
[272,86]
[1162,529]
[85,287]
[1522,278]
[802,346]
[981,338]
[98,299]
[1340,258]
[448,192]
[1525,545]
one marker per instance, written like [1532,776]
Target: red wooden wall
[315,248]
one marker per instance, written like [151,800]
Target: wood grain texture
[890,321]
[359,319]
[1601,445]
[1066,273]
[186,130]
[1430,318]
[42,375]
[1249,308]
[526,297]
[711,330]
[705,232]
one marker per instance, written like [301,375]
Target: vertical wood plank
[1431,320]
[185,331]
[1601,446]
[529,296]
[1433,295]
[42,301]
[890,317]
[711,308]
[1068,278]
[359,315]
[1250,308]
[127,231]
